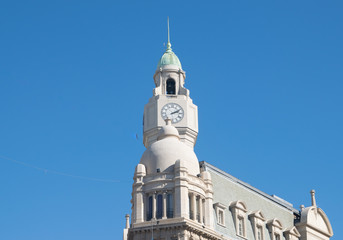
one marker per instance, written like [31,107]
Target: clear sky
[75,76]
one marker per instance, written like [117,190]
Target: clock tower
[170,100]
[174,197]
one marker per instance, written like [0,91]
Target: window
[221,217]
[275,229]
[149,212]
[259,233]
[292,233]
[220,212]
[241,226]
[195,207]
[170,208]
[159,205]
[239,210]
[258,222]
[159,212]
[170,89]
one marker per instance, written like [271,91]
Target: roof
[273,198]
[169,58]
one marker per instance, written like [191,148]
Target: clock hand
[176,111]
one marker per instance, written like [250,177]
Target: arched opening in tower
[171,86]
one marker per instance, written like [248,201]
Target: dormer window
[292,234]
[239,211]
[275,229]
[241,226]
[258,224]
[170,88]
[259,233]
[220,212]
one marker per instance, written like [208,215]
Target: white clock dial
[172,111]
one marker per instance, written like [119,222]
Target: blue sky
[75,76]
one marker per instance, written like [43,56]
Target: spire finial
[168,30]
[313,199]
[168,44]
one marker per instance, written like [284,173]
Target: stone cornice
[177,223]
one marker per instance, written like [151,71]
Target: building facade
[176,197]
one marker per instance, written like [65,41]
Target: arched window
[159,206]
[149,213]
[190,207]
[170,208]
[170,88]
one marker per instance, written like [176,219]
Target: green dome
[169,58]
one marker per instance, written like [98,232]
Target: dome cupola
[169,58]
[162,155]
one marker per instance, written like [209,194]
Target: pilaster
[181,190]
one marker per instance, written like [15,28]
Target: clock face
[172,111]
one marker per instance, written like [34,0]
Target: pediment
[219,205]
[292,231]
[240,205]
[275,223]
[258,214]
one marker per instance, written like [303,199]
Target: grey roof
[272,198]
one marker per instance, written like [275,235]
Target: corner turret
[314,224]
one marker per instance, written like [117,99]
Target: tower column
[193,205]
[154,205]
[208,216]
[164,216]
[200,209]
[138,195]
[181,204]
[139,207]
